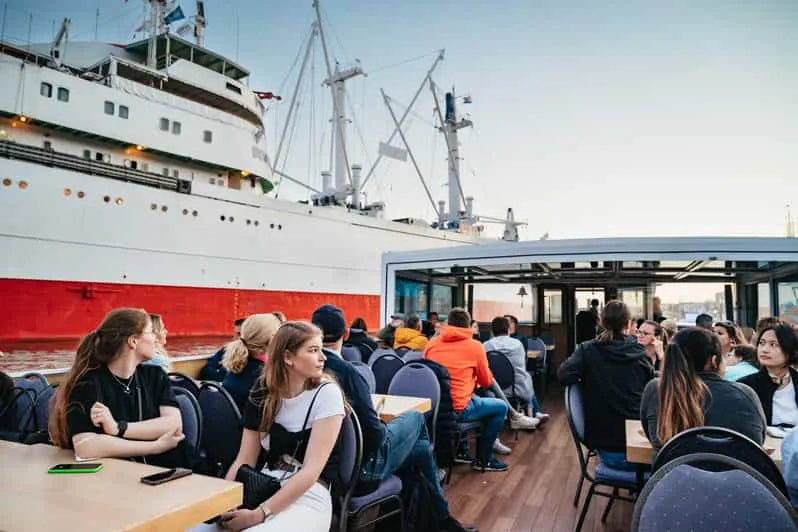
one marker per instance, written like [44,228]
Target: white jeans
[311,512]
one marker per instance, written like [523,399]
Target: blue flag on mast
[174,15]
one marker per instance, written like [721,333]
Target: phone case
[55,471]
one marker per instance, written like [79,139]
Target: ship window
[153,206]
[123,111]
[46,90]
[24,184]
[106,199]
[176,128]
[6,182]
[119,201]
[98,156]
[165,172]
[257,223]
[194,213]
[107,158]
[233,88]
[175,173]
[63,94]
[87,154]
[164,124]
[185,212]
[164,208]
[67,192]
[207,136]
[145,167]
[81,194]
[109,108]
[212,180]
[48,145]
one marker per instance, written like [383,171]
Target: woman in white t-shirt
[293,388]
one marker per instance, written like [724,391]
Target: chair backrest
[378,353]
[350,457]
[418,380]
[221,436]
[351,353]
[400,351]
[365,370]
[42,393]
[27,415]
[575,410]
[192,417]
[35,376]
[719,440]
[502,369]
[410,356]
[180,380]
[536,344]
[384,368]
[730,496]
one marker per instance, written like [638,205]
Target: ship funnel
[356,169]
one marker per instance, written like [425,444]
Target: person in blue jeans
[390,447]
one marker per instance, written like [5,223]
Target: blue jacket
[240,384]
[357,393]
[213,369]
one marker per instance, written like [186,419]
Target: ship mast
[199,24]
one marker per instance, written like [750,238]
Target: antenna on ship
[199,23]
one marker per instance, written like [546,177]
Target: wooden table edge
[187,515]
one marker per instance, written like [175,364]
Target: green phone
[75,468]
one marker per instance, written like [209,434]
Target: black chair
[719,440]
[418,380]
[540,365]
[400,351]
[377,353]
[351,354]
[384,368]
[602,475]
[191,415]
[504,375]
[385,501]
[706,491]
[180,380]
[221,438]
[367,374]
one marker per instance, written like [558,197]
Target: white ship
[138,176]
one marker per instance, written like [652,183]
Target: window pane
[207,136]
[123,111]
[788,303]
[441,299]
[46,90]
[552,306]
[411,297]
[763,301]
[175,173]
[176,128]
[109,108]
[492,300]
[164,124]
[87,154]
[63,94]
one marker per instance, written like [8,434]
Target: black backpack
[418,499]
[446,426]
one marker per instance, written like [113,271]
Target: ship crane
[60,39]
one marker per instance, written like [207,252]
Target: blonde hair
[256,333]
[157,328]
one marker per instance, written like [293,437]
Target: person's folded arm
[151,429]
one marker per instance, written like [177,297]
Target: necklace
[780,379]
[125,387]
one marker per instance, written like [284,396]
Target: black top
[613,374]
[730,405]
[213,369]
[282,442]
[764,387]
[359,397]
[149,390]
[362,342]
[239,384]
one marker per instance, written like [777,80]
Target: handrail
[13,150]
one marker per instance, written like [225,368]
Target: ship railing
[14,150]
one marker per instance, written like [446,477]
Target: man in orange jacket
[467,363]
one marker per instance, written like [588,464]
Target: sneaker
[450,524]
[463,458]
[500,448]
[492,465]
[522,422]
[542,417]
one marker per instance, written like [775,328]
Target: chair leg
[615,493]
[578,490]
[585,507]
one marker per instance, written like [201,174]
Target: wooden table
[111,499]
[639,450]
[533,355]
[396,405]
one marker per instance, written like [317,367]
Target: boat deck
[537,492]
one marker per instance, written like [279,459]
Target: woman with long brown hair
[111,406]
[692,392]
[295,414]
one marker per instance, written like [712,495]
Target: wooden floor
[537,491]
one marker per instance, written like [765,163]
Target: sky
[591,119]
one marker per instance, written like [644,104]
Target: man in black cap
[386,447]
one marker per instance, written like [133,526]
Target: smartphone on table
[75,468]
[165,476]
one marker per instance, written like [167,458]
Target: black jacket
[359,397]
[446,424]
[764,387]
[613,374]
[361,340]
[213,369]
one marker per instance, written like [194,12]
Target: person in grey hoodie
[513,349]
[613,369]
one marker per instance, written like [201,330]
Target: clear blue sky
[591,118]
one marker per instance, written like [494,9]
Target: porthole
[222,218]
[153,206]
[119,201]
[257,223]
[6,182]
[185,212]
[67,192]
[271,226]
[164,208]
[232,219]
[23,185]
[194,213]
[81,194]
[249,222]
[279,227]
[106,199]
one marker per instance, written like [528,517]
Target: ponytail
[235,356]
[256,333]
[681,395]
